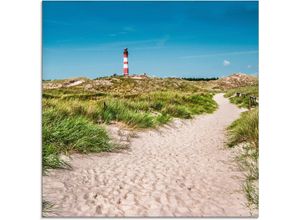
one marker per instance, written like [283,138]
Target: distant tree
[199,79]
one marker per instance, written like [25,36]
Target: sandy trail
[182,169]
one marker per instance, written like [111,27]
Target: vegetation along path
[183,169]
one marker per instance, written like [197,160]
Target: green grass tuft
[119,111]
[245,129]
[64,134]
[177,111]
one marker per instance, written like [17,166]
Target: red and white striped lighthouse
[125,62]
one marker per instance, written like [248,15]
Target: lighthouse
[125,62]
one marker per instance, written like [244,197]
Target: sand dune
[183,169]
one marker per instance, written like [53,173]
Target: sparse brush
[244,132]
[252,193]
[46,206]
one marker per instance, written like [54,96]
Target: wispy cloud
[147,44]
[125,30]
[161,42]
[136,45]
[153,44]
[226,62]
[129,28]
[220,54]
[112,35]
[55,22]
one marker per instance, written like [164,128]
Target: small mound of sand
[74,83]
[56,84]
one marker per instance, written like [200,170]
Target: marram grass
[72,117]
[245,129]
[63,133]
[244,132]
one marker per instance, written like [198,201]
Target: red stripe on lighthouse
[125,62]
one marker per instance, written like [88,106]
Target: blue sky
[183,39]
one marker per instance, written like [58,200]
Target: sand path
[182,169]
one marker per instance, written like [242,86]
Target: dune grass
[242,101]
[244,132]
[63,133]
[73,124]
[72,116]
[142,111]
[245,129]
[46,207]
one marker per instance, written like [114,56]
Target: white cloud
[128,29]
[226,62]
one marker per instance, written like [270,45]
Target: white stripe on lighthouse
[125,59]
[125,65]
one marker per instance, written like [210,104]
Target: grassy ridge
[72,116]
[127,86]
[141,111]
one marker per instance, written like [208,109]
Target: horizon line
[154,76]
